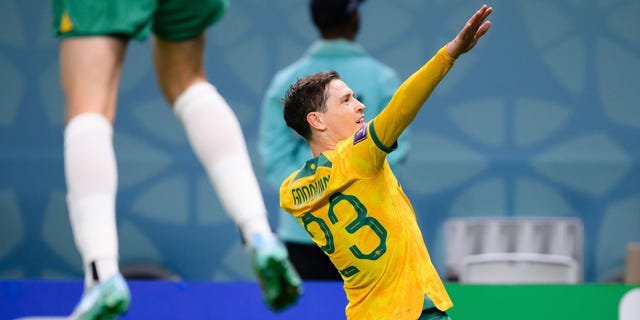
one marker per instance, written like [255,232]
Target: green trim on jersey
[312,165]
[379,143]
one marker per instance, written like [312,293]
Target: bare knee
[178,65]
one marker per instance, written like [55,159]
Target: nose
[360,106]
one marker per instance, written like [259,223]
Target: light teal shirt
[283,151]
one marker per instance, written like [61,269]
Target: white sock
[91,175]
[217,139]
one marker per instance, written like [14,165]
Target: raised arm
[413,93]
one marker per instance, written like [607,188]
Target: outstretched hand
[475,28]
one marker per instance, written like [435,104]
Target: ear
[315,121]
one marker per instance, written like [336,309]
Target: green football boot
[105,301]
[281,285]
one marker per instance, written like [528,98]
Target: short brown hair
[306,95]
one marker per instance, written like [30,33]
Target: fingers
[483,29]
[472,29]
[475,28]
[476,21]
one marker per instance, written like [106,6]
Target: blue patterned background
[541,119]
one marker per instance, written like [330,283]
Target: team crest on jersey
[360,135]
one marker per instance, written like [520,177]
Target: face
[344,114]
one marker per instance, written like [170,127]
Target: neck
[320,145]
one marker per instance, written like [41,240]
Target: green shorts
[433,314]
[430,312]
[169,19]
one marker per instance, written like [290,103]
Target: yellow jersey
[354,209]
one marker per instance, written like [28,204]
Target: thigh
[179,20]
[122,18]
[90,69]
[178,65]
[179,41]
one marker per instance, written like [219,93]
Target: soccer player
[282,150]
[93,40]
[349,200]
